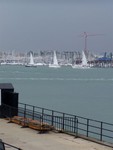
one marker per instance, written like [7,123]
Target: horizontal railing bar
[81,129]
[82,123]
[107,136]
[68,114]
[107,130]
[11,146]
[95,127]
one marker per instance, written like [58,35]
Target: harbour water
[83,92]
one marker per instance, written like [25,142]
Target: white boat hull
[80,67]
[54,66]
[30,65]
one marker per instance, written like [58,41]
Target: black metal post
[63,121]
[24,114]
[33,112]
[42,114]
[101,131]
[52,119]
[25,111]
[87,127]
[75,126]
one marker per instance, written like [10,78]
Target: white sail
[84,60]
[55,61]
[31,59]
[31,63]
[84,64]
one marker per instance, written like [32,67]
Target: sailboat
[31,63]
[84,64]
[55,62]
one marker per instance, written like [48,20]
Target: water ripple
[60,79]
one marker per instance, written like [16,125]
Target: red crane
[85,35]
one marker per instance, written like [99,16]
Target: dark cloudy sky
[56,25]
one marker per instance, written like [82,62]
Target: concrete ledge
[88,139]
[28,139]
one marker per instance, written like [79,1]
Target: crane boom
[85,35]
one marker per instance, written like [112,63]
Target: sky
[56,25]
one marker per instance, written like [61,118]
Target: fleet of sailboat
[50,60]
[54,64]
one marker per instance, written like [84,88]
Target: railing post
[33,112]
[25,111]
[87,127]
[42,115]
[75,126]
[63,121]
[52,120]
[24,114]
[101,131]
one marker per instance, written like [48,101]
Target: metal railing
[72,124]
[4,146]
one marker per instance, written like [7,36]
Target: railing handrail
[68,114]
[11,146]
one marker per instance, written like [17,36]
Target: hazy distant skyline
[56,25]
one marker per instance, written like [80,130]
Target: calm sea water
[84,92]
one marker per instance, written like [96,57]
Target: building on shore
[64,58]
